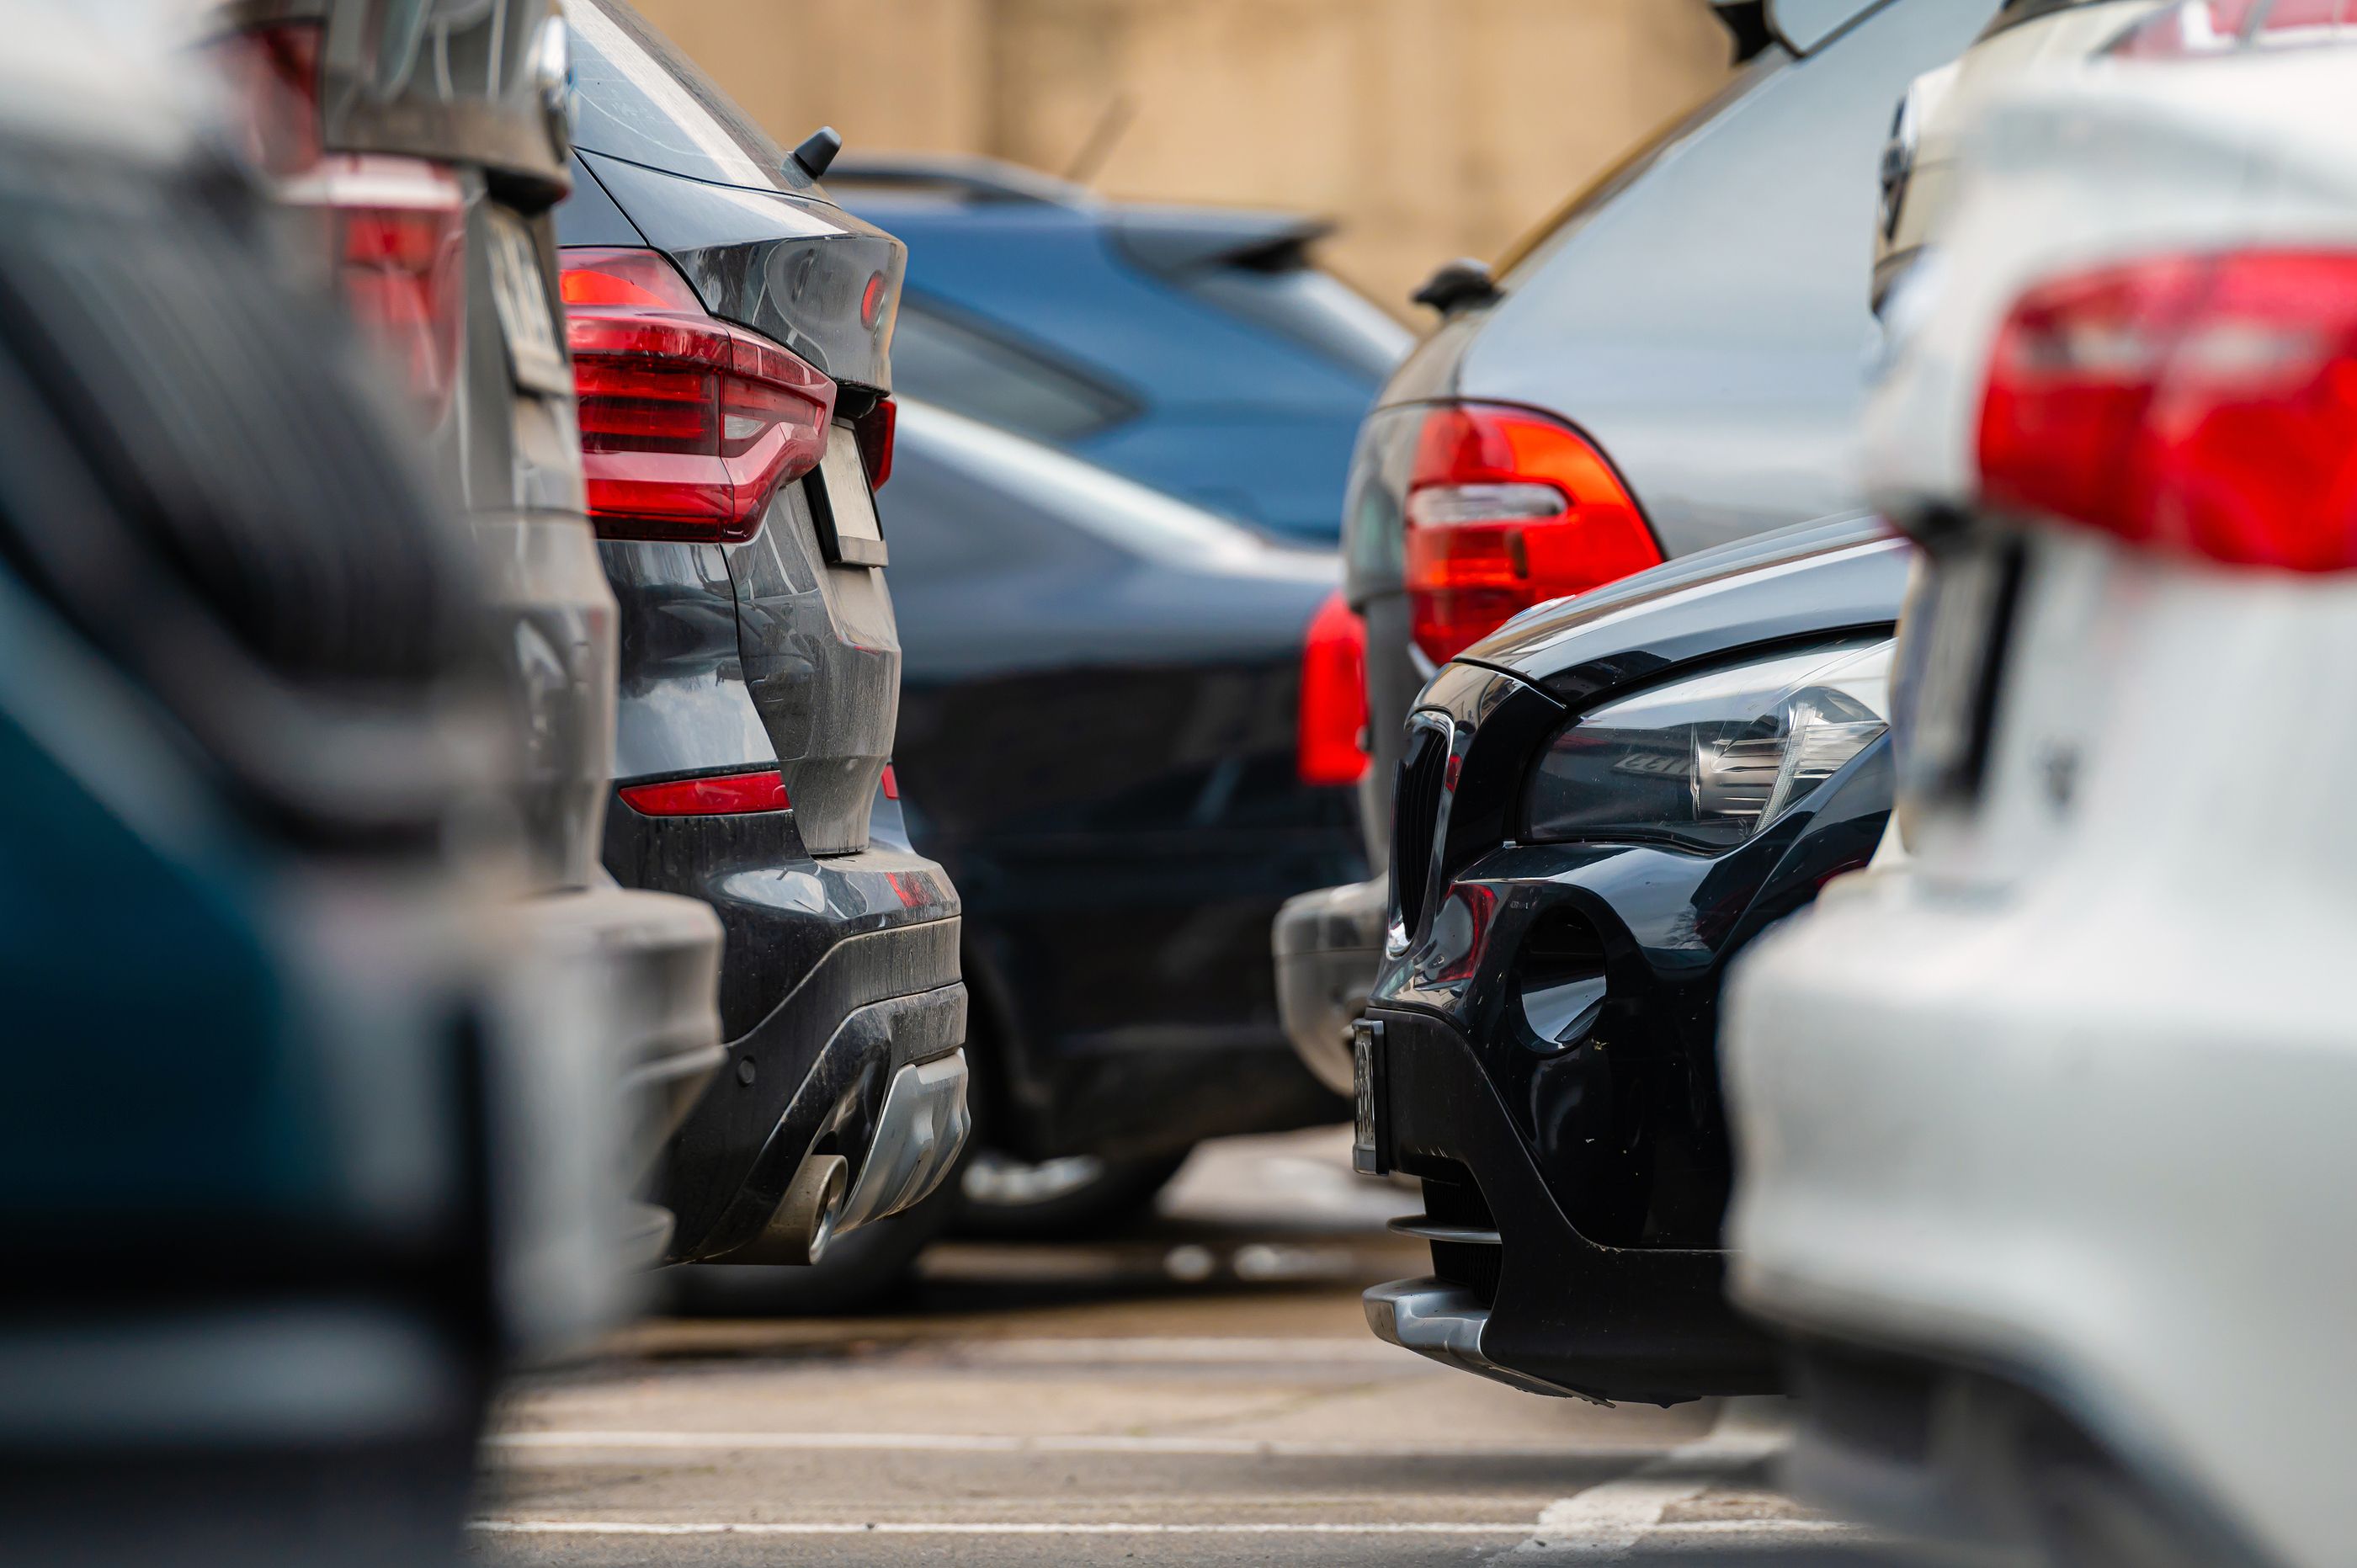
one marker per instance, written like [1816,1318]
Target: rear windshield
[635,97]
[1314,308]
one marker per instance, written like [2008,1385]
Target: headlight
[1709,760]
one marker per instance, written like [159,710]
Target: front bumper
[1328,945]
[1562,1314]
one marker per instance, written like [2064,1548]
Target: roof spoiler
[1185,239]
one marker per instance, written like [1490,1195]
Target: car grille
[1416,817]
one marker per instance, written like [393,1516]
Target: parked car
[1599,807]
[1197,349]
[1673,361]
[2037,1125]
[1125,732]
[311,1130]
[425,150]
[730,328]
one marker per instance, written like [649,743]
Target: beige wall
[1429,128]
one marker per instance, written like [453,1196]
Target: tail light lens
[688,425]
[1333,695]
[1506,508]
[714,795]
[396,227]
[2205,404]
[876,430]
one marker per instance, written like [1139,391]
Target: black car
[730,328]
[1669,364]
[1598,808]
[1129,729]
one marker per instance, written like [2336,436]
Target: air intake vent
[1415,817]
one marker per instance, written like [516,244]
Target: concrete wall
[1429,128]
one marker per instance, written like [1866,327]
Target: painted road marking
[1076,1443]
[1606,1523]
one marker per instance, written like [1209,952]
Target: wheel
[1008,1199]
[857,1274]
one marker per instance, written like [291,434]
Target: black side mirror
[1459,284]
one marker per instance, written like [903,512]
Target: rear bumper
[1328,945]
[1556,1312]
[653,960]
[862,951]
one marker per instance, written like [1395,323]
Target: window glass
[984,377]
[1314,308]
[635,97]
[1081,496]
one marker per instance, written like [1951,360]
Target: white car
[2038,1121]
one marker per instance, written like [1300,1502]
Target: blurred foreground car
[730,327]
[309,1130]
[1671,362]
[425,150]
[1197,349]
[1126,735]
[2042,1130]
[1599,806]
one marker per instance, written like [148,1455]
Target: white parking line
[1206,1349]
[1606,1523]
[1076,1443]
[633,1527]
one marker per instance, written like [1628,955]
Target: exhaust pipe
[804,1221]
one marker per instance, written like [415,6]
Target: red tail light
[1507,508]
[688,425]
[876,430]
[396,226]
[892,783]
[2199,404]
[1333,695]
[713,795]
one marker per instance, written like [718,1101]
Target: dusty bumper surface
[816,1071]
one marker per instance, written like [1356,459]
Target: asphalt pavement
[1204,1393]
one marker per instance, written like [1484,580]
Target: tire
[1119,1194]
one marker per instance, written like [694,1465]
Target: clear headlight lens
[1710,760]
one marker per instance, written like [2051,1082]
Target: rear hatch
[684,172]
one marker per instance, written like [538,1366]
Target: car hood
[1816,579]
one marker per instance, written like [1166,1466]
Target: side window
[982,376]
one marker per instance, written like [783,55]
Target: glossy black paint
[789,266]
[1603,1161]
[1097,737]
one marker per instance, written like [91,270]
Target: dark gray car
[1673,361]
[430,144]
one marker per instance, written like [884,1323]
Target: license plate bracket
[1955,656]
[527,312]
